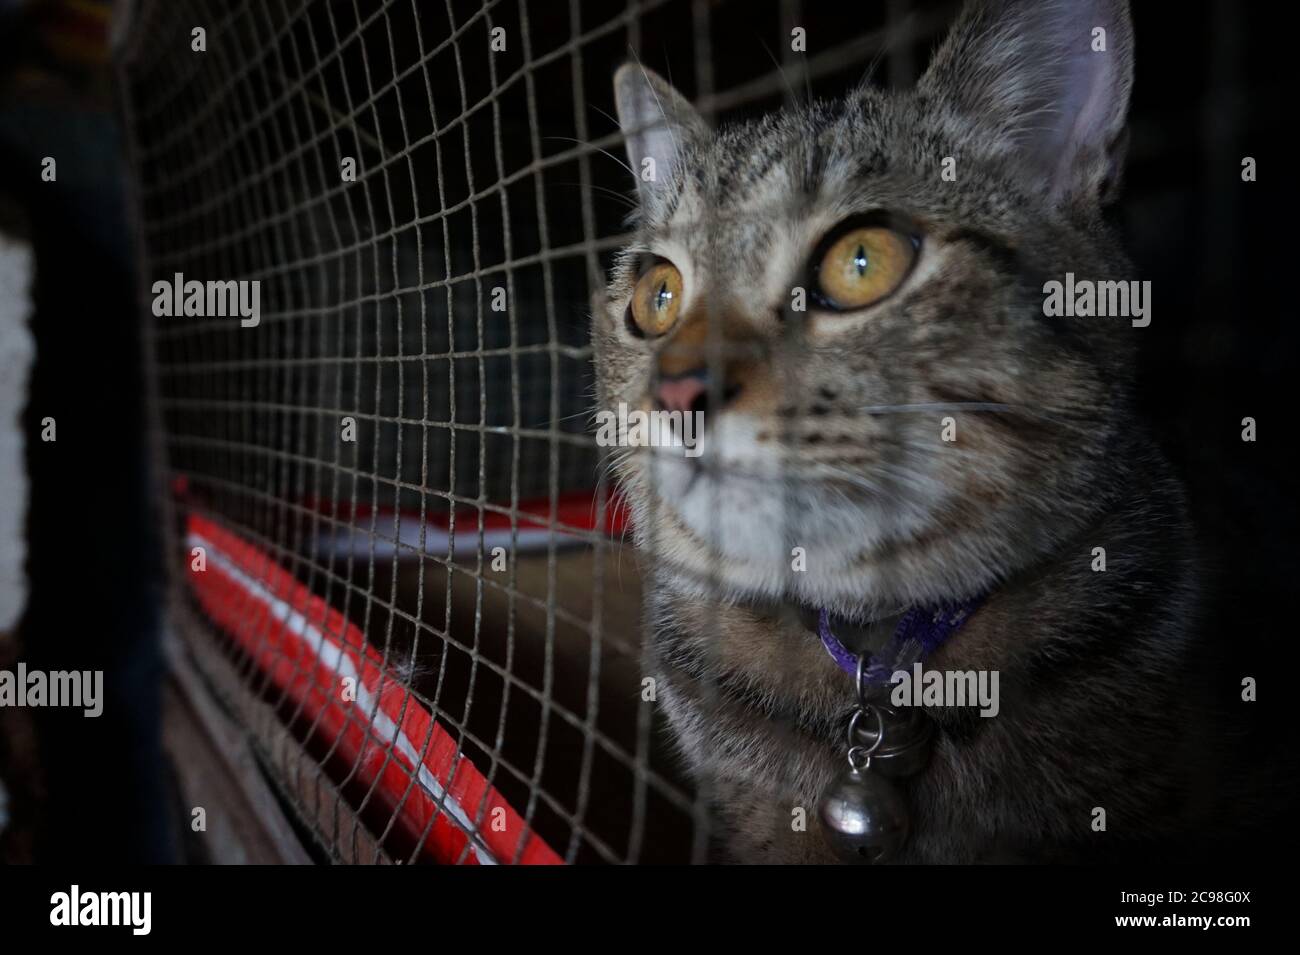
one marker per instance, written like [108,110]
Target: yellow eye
[657,299]
[863,266]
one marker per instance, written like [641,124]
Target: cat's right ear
[658,124]
[1050,80]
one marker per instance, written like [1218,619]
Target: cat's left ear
[658,123]
[1050,81]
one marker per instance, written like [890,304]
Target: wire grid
[475,171]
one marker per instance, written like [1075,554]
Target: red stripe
[292,664]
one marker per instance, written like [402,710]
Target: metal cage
[394,551]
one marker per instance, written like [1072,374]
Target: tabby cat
[853,294]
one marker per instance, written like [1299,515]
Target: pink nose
[680,394]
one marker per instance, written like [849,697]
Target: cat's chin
[763,535]
[748,532]
[736,545]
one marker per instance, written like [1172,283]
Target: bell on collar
[864,818]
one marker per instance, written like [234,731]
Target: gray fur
[1100,706]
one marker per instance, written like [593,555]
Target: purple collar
[919,633]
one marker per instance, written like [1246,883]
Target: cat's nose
[685,392]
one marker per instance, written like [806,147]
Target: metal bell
[864,818]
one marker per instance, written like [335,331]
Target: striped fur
[835,445]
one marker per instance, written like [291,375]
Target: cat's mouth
[697,471]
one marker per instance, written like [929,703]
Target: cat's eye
[656,300]
[863,265]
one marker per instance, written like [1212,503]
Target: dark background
[1212,86]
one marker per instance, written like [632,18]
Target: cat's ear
[658,124]
[1051,80]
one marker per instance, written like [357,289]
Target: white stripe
[331,654]
[360,541]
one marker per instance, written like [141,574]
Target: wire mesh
[438,306]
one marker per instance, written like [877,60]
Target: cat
[919,433]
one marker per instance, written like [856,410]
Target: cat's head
[853,293]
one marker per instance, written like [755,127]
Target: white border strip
[332,655]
